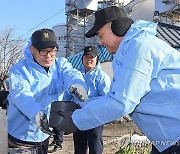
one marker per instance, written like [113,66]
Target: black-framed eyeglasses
[44,52]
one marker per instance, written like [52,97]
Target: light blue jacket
[97,81]
[32,89]
[146,85]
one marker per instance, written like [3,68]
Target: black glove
[5,104]
[42,123]
[79,92]
[67,126]
[3,99]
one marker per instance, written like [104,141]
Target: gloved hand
[67,126]
[42,123]
[79,92]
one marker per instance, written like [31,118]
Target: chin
[111,51]
[47,65]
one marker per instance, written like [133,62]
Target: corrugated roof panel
[76,60]
[169,33]
[104,54]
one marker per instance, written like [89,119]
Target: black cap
[90,50]
[44,38]
[105,16]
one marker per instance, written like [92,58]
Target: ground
[112,136]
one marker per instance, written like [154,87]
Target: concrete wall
[61,33]
[143,10]
[163,7]
[107,68]
[3,132]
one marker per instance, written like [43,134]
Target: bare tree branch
[10,52]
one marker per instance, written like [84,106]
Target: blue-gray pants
[28,147]
[90,138]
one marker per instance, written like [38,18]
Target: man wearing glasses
[35,82]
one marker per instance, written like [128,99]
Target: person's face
[89,62]
[44,57]
[108,38]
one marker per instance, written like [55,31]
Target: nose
[48,54]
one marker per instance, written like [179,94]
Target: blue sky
[28,16]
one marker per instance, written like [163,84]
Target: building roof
[169,33]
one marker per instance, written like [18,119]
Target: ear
[32,49]
[121,25]
[97,60]
[82,59]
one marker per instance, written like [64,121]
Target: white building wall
[61,33]
[143,10]
[107,68]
